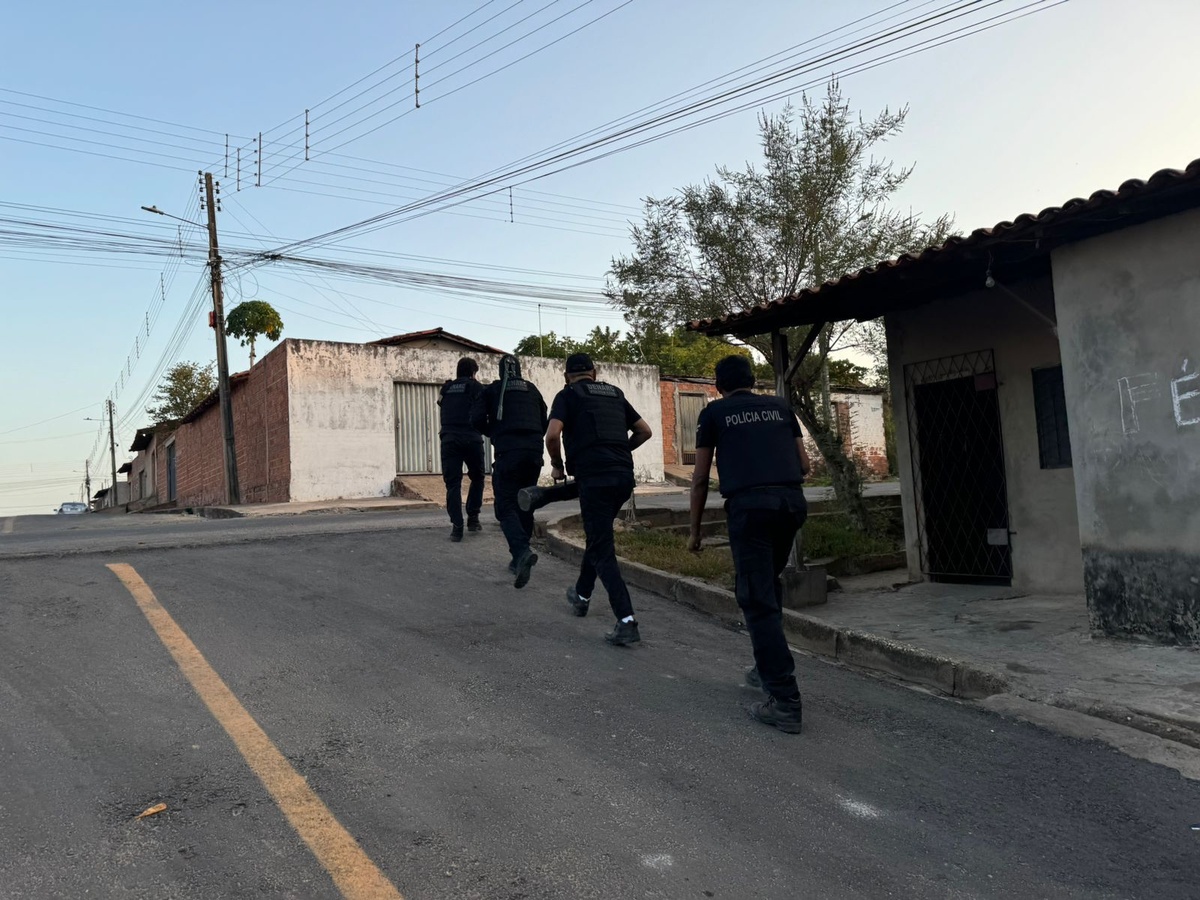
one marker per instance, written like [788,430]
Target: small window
[1050,407]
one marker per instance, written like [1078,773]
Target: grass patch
[833,535]
[669,552]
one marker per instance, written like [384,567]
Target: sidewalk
[263,510]
[1040,646]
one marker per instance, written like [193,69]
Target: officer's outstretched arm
[699,494]
[554,448]
[641,433]
[804,460]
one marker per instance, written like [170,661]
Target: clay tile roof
[413,337]
[125,469]
[1026,238]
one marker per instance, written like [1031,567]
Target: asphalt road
[480,742]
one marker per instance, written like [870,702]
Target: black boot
[523,568]
[577,603]
[456,533]
[753,679]
[623,633]
[785,715]
[473,523]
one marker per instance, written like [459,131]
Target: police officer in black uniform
[512,413]
[761,464]
[461,443]
[596,422]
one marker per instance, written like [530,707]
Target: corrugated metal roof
[856,295]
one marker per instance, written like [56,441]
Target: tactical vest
[456,406]
[522,412]
[756,445]
[601,419]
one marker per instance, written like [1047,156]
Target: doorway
[688,416]
[958,469]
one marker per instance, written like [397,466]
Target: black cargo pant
[511,471]
[457,450]
[600,500]
[763,523]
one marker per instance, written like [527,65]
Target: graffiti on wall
[1145,389]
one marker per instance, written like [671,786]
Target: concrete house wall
[341,410]
[1041,502]
[1129,318]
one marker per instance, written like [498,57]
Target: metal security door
[958,469]
[170,472]
[418,450]
[687,415]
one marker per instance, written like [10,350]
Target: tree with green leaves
[180,391]
[675,352]
[253,319]
[819,206]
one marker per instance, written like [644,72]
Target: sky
[105,108]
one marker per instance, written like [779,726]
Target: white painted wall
[341,410]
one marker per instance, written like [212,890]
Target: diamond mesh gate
[958,468]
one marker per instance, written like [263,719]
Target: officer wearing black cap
[761,464]
[461,444]
[596,422]
[512,413]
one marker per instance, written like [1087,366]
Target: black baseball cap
[578,363]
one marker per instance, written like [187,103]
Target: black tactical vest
[456,407]
[522,424]
[601,419]
[756,444]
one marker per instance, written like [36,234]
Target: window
[1050,407]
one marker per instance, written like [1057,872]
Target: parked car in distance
[72,509]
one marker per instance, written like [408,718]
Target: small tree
[252,319]
[181,390]
[819,207]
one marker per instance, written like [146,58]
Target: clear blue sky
[1080,97]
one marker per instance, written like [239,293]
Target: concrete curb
[953,677]
[225,512]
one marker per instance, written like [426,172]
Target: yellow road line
[352,870]
[7,527]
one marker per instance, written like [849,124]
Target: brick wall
[668,390]
[261,436]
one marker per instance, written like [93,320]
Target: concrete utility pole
[112,449]
[87,482]
[232,491]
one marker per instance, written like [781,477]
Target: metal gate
[418,450]
[959,483]
[686,416]
[418,421]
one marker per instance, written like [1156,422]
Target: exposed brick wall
[261,436]
[668,390]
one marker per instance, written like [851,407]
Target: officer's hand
[558,474]
[696,543]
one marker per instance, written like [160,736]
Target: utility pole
[112,449]
[87,482]
[232,491]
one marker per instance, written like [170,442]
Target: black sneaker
[531,498]
[577,603]
[456,533]
[523,567]
[623,633]
[785,715]
[753,679]
[473,524]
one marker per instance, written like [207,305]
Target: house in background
[321,420]
[1046,386]
[857,414]
[151,472]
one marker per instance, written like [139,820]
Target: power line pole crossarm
[232,491]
